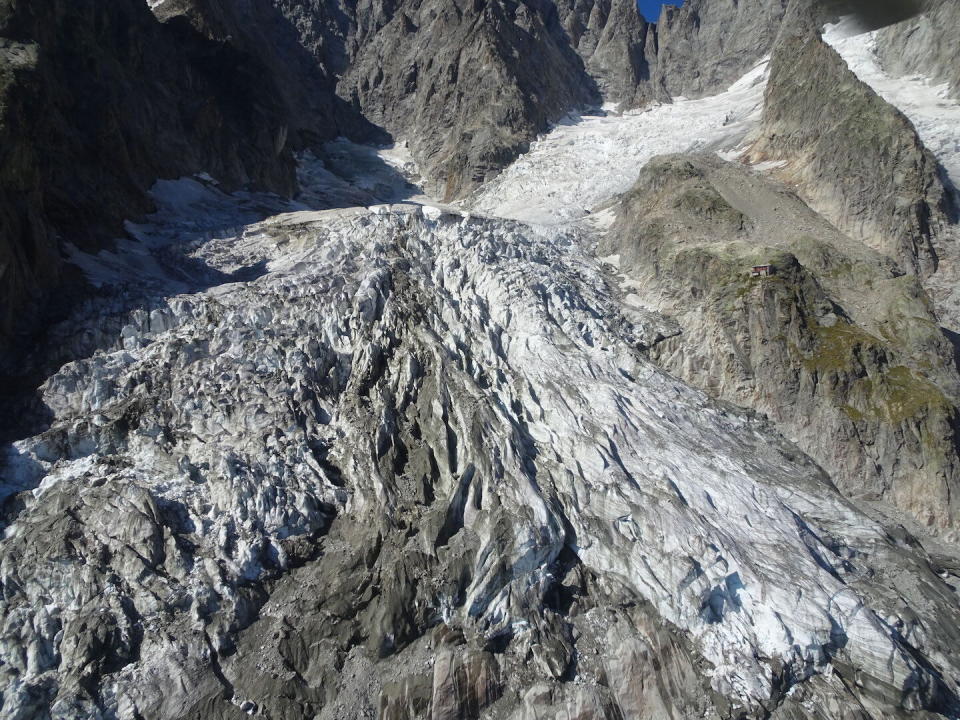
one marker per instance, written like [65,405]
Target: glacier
[450,407]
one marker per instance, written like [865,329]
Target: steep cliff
[854,157]
[836,347]
[618,46]
[705,45]
[299,48]
[467,84]
[925,45]
[98,101]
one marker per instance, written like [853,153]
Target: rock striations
[705,45]
[925,45]
[856,159]
[837,347]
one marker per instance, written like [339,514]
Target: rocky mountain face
[467,84]
[99,100]
[925,44]
[837,346]
[705,45]
[295,46]
[870,174]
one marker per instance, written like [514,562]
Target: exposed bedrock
[853,157]
[618,46]
[468,85]
[839,348]
[98,100]
[705,45]
[925,45]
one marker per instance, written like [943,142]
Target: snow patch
[929,107]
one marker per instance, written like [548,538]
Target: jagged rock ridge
[870,173]
[99,100]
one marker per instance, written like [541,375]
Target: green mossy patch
[836,346]
[895,396]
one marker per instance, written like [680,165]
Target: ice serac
[98,101]
[418,467]
[841,350]
[925,45]
[468,85]
[870,174]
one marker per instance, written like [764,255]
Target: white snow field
[586,160]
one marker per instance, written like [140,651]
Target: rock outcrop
[468,85]
[299,49]
[837,347]
[98,101]
[618,46]
[705,45]
[925,45]
[855,158]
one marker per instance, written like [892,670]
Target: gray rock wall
[836,348]
[705,45]
[855,158]
[98,100]
[467,84]
[925,45]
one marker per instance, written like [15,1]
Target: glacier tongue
[461,400]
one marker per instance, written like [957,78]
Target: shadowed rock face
[839,349]
[300,46]
[855,158]
[98,101]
